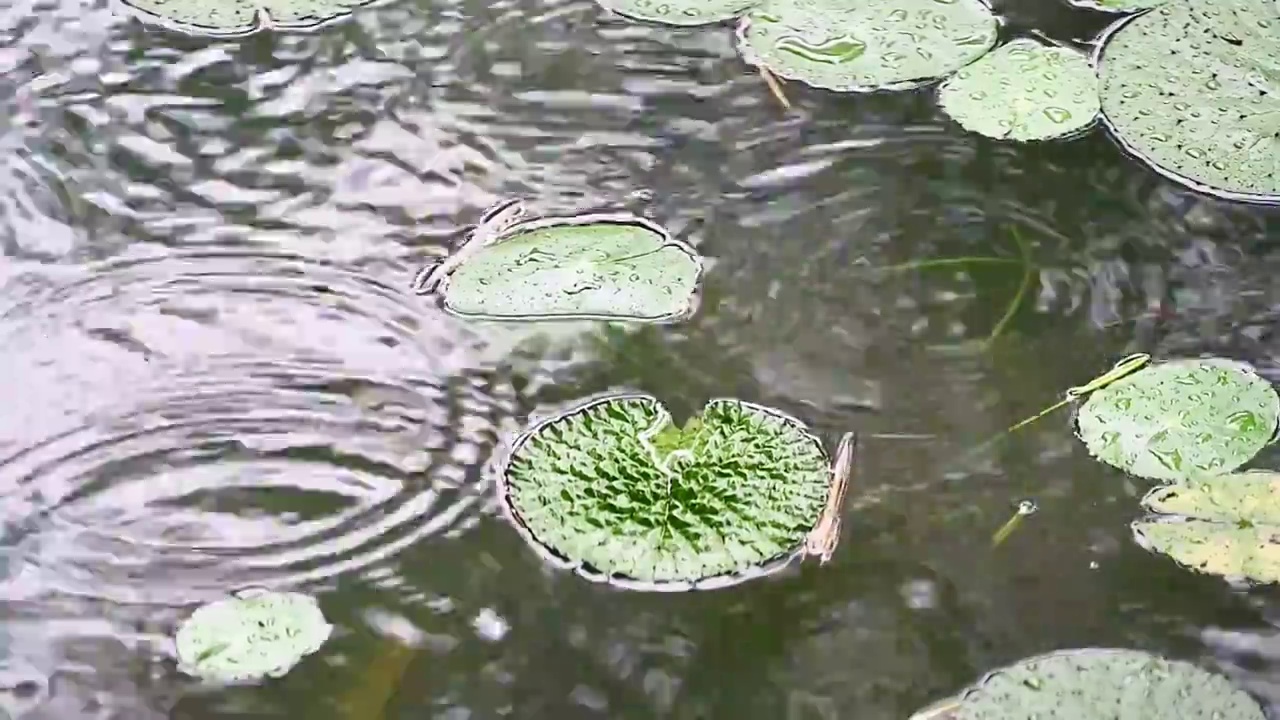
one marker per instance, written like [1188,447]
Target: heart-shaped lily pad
[1100,684]
[1193,88]
[1024,91]
[603,266]
[235,18]
[679,12]
[256,634]
[1227,525]
[861,45]
[616,491]
[1181,419]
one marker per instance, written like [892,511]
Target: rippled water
[215,374]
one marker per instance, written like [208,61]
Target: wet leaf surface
[615,489]
[866,45]
[1024,90]
[1192,88]
[1180,419]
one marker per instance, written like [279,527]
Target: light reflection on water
[215,374]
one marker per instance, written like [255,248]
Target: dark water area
[215,375]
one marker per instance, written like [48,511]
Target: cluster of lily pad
[1192,424]
[1188,86]
[1189,424]
[612,488]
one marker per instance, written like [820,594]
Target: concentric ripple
[232,419]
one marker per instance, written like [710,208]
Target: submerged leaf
[613,490]
[1181,419]
[1192,88]
[1024,91]
[1098,683]
[862,45]
[234,18]
[1227,525]
[256,635]
[679,12]
[588,266]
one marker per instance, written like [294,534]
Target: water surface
[216,376]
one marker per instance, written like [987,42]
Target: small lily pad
[1102,684]
[1181,419]
[590,266]
[1193,89]
[679,12]
[862,45]
[616,491]
[253,635]
[1227,525]
[236,18]
[1024,91]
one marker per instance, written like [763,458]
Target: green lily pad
[861,45]
[253,635]
[590,266]
[1102,684]
[615,491]
[679,12]
[1181,419]
[236,18]
[1193,88]
[1024,91]
[1227,525]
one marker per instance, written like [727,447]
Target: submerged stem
[943,262]
[1028,274]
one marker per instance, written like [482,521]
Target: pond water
[216,377]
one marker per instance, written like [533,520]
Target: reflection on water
[215,373]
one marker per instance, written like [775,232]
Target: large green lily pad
[1181,419]
[679,12]
[1024,91]
[1193,88]
[253,635]
[604,266]
[1227,525]
[1102,684]
[860,45]
[616,491]
[235,18]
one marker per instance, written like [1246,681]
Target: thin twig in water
[775,86]
[825,536]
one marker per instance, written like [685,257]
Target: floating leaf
[1227,525]
[615,490]
[1024,91]
[1181,419]
[679,12]
[235,18]
[1098,684]
[860,45]
[1193,88]
[613,266]
[253,635]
